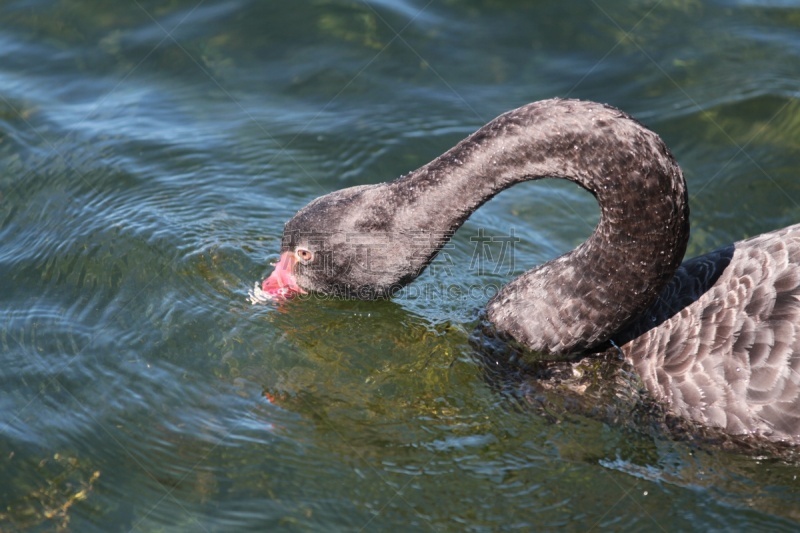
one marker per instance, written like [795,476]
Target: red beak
[281,283]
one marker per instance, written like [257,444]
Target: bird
[715,339]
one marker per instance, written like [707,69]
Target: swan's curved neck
[582,298]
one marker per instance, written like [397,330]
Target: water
[150,154]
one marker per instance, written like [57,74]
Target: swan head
[344,244]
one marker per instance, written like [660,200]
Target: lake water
[150,154]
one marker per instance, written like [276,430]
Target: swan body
[715,339]
[721,345]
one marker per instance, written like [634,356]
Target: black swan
[715,339]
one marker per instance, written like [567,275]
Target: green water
[150,153]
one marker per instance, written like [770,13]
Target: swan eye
[305,256]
